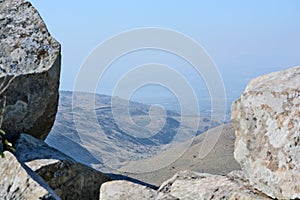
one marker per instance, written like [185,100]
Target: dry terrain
[116,147]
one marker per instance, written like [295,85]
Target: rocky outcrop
[192,185]
[29,70]
[18,183]
[267,123]
[30,64]
[185,185]
[68,178]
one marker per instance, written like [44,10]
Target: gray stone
[192,185]
[30,64]
[267,124]
[186,185]
[18,183]
[68,178]
[115,190]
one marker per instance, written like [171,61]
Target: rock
[68,178]
[30,64]
[162,196]
[193,185]
[267,124]
[17,183]
[115,190]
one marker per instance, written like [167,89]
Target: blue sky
[244,38]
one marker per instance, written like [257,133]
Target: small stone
[115,190]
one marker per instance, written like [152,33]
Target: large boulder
[29,71]
[68,178]
[19,183]
[267,124]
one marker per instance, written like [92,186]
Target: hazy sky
[244,38]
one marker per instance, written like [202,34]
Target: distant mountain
[112,138]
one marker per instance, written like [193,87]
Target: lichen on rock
[30,64]
[267,123]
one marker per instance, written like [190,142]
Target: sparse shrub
[4,144]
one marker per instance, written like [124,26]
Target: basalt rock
[30,64]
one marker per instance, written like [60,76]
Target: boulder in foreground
[267,124]
[193,185]
[30,64]
[115,190]
[186,185]
[18,183]
[68,178]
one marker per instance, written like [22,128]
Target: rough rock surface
[267,123]
[29,70]
[68,178]
[17,183]
[186,185]
[115,190]
[192,185]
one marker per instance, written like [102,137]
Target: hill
[115,146]
[219,161]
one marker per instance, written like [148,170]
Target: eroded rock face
[17,183]
[30,66]
[267,124]
[192,185]
[68,178]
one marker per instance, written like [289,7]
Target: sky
[243,38]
